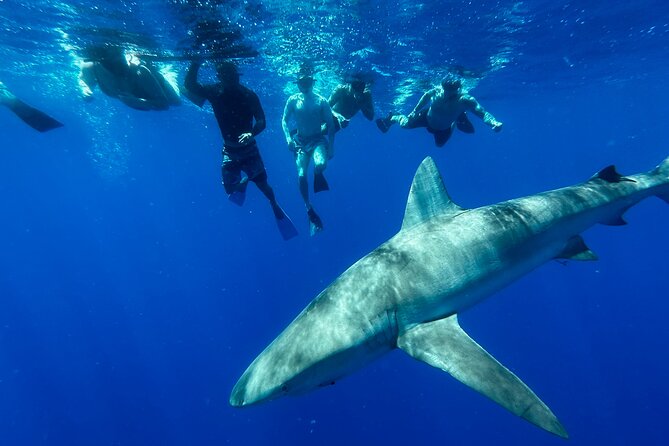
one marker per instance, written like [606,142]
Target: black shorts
[246,159]
[440,136]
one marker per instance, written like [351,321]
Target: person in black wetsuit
[236,107]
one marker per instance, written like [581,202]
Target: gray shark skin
[407,292]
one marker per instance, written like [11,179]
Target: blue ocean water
[133,294]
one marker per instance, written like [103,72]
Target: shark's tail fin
[663,171]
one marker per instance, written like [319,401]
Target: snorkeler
[348,99]
[310,111]
[132,81]
[235,108]
[35,118]
[447,109]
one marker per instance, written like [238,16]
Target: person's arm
[478,110]
[424,100]
[191,82]
[260,123]
[259,115]
[287,115]
[328,119]
[87,80]
[336,95]
[366,104]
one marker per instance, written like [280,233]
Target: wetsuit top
[234,108]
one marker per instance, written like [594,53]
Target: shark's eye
[284,388]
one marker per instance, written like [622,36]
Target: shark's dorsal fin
[611,175]
[444,345]
[428,196]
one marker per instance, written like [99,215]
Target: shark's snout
[254,387]
[241,396]
[238,395]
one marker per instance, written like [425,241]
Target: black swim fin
[315,223]
[284,223]
[464,124]
[36,119]
[238,196]
[384,123]
[320,183]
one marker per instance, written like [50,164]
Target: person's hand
[497,126]
[245,138]
[404,120]
[87,93]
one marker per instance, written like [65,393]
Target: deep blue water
[133,294]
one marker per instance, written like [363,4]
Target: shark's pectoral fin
[444,345]
[576,249]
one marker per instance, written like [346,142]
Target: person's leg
[418,120]
[320,163]
[254,168]
[302,163]
[265,188]
[464,124]
[441,136]
[231,174]
[234,184]
[262,184]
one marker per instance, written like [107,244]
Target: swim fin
[320,183]
[315,223]
[384,123]
[238,196]
[36,119]
[464,124]
[284,223]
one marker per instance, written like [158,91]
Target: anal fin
[444,345]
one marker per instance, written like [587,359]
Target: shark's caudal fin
[428,196]
[444,345]
[663,171]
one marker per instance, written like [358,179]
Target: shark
[408,292]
